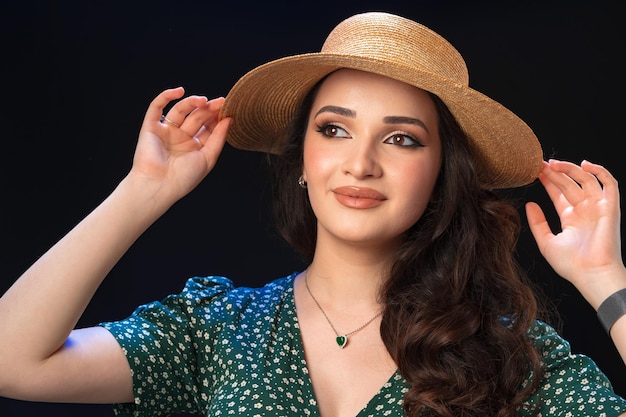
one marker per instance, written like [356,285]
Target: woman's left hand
[587,250]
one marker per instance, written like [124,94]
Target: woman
[412,302]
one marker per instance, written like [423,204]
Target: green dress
[217,350]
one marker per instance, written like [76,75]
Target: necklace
[341,339]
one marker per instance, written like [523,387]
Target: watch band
[612,309]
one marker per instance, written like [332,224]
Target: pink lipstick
[359,198]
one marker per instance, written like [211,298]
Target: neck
[353,277]
[346,275]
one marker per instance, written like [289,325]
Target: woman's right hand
[178,152]
[41,357]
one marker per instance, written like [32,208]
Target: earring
[301,182]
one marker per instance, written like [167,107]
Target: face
[371,157]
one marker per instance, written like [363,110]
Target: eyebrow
[388,119]
[338,110]
[405,120]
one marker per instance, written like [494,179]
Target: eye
[332,131]
[401,139]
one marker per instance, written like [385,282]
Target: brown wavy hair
[457,304]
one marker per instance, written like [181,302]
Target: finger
[215,143]
[610,186]
[538,224]
[203,119]
[553,190]
[155,109]
[206,129]
[586,180]
[606,179]
[184,110]
[215,105]
[164,119]
[568,178]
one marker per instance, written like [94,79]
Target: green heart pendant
[342,341]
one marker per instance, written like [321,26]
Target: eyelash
[323,129]
[416,143]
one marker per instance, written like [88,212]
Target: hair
[457,305]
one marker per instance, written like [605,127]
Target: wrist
[597,286]
[142,198]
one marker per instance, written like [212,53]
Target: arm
[587,251]
[41,357]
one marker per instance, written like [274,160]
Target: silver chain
[306,283]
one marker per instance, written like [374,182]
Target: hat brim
[263,102]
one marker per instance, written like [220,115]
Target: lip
[358,197]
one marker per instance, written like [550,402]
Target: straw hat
[262,103]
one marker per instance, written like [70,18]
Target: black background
[77,78]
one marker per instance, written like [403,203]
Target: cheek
[420,184]
[316,161]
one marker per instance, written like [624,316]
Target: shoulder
[556,353]
[199,288]
[548,342]
[220,293]
[210,298]
[570,381]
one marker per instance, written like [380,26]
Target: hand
[587,250]
[178,155]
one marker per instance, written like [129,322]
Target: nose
[362,160]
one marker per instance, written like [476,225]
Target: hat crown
[386,37]
[505,151]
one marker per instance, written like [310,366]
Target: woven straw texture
[507,153]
